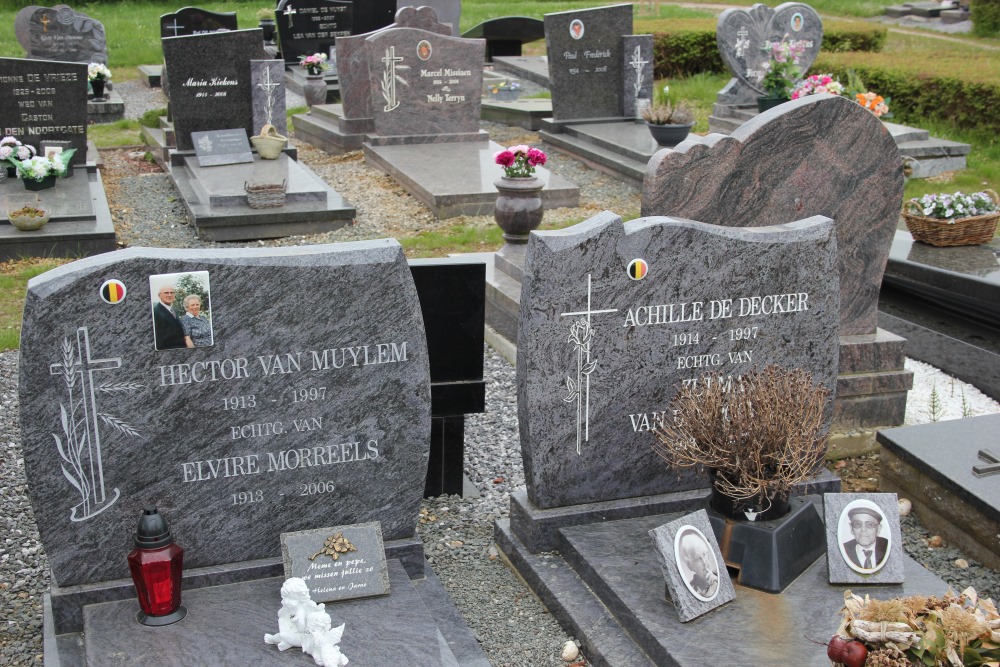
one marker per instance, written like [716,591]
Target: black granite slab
[44,100]
[373,14]
[60,33]
[586,61]
[306,27]
[209,80]
[506,35]
[195,21]
[226,625]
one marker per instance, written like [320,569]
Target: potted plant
[315,88]
[98,75]
[668,121]
[27,216]
[265,21]
[953,219]
[757,435]
[38,172]
[922,630]
[518,208]
[506,91]
[782,73]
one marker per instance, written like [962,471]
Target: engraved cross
[177,27]
[289,12]
[45,21]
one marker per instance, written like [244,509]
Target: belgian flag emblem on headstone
[113,291]
[637,269]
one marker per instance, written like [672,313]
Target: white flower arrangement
[98,72]
[958,205]
[29,164]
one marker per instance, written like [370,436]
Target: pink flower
[520,149]
[504,158]
[536,157]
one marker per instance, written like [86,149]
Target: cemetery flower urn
[38,172]
[156,564]
[519,208]
[265,21]
[314,89]
[27,215]
[98,75]
[669,122]
[757,436]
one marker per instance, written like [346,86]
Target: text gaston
[236,368]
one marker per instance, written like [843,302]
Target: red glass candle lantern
[156,564]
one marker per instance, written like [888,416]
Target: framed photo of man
[864,542]
[695,574]
[181,310]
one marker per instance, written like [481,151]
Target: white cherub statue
[296,605]
[322,641]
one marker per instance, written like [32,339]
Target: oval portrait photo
[696,563]
[864,536]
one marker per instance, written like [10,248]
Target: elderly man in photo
[168,333]
[699,559]
[867,550]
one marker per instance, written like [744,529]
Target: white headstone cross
[289,12]
[268,87]
[176,27]
[389,79]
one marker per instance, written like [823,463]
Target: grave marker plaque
[60,33]
[45,101]
[338,563]
[311,407]
[209,81]
[586,61]
[311,26]
[745,39]
[425,83]
[219,147]
[614,317]
[195,21]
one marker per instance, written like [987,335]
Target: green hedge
[685,47]
[964,104]
[986,18]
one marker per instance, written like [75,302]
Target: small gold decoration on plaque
[334,546]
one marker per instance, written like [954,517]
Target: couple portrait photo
[181,307]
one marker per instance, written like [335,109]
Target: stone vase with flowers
[98,75]
[314,89]
[518,208]
[782,73]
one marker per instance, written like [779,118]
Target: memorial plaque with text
[219,147]
[60,33]
[43,101]
[308,404]
[425,83]
[209,81]
[586,61]
[311,26]
[338,563]
[615,317]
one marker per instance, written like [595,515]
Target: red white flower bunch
[519,161]
[816,84]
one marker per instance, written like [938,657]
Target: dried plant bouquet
[758,434]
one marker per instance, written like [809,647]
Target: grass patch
[118,133]
[14,277]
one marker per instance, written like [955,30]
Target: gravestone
[427,84]
[195,21]
[267,95]
[312,26]
[638,74]
[60,33]
[661,302]
[449,12]
[586,61]
[243,429]
[45,102]
[792,162]
[373,14]
[745,38]
[506,35]
[209,80]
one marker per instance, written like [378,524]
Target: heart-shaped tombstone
[745,39]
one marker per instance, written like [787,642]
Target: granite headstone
[311,408]
[339,562]
[60,33]
[312,26]
[373,14]
[586,61]
[615,316]
[219,147]
[195,21]
[692,597]
[638,73]
[449,12]
[267,93]
[209,81]
[858,520]
[352,60]
[44,101]
[424,83]
[818,155]
[745,38]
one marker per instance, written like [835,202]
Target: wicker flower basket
[265,195]
[974,230]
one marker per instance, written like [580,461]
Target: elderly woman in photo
[197,330]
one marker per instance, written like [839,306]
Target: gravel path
[511,624]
